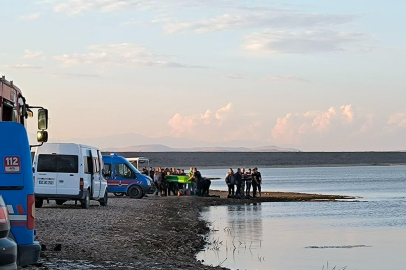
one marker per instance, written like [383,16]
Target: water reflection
[305,236]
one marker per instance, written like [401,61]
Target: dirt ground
[151,233]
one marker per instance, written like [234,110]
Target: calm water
[306,235]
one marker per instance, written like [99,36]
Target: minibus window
[58,163]
[67,164]
[46,163]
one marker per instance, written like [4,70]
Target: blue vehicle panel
[122,175]
[17,189]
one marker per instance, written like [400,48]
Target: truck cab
[124,179]
[17,190]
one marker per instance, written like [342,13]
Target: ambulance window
[122,170]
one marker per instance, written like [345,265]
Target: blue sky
[315,75]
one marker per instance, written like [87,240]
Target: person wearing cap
[256,182]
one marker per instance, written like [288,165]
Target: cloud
[21,66]
[124,54]
[269,18]
[232,76]
[304,42]
[286,79]
[398,120]
[29,17]
[34,54]
[75,75]
[74,7]
[295,127]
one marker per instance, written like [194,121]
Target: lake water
[370,234]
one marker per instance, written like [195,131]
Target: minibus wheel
[135,192]
[86,202]
[39,203]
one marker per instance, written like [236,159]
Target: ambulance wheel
[86,202]
[103,201]
[60,202]
[119,194]
[39,203]
[135,192]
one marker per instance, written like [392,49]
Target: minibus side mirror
[42,119]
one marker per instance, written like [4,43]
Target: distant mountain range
[132,142]
[164,148]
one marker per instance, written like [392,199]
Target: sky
[310,74]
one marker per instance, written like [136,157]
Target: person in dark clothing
[256,182]
[161,182]
[230,181]
[197,176]
[238,182]
[206,187]
[151,173]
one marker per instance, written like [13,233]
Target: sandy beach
[151,233]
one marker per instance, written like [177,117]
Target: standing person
[256,182]
[161,182]
[243,182]
[158,190]
[151,172]
[191,187]
[230,181]
[197,177]
[248,182]
[259,180]
[238,182]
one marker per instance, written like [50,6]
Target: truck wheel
[39,203]
[119,194]
[86,202]
[60,202]
[103,201]
[135,192]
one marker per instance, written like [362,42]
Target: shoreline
[151,233]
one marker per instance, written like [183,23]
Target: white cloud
[398,120]
[286,79]
[304,42]
[28,54]
[294,127]
[233,76]
[125,54]
[269,18]
[29,17]
[74,7]
[21,66]
[222,125]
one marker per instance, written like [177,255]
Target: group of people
[240,182]
[198,185]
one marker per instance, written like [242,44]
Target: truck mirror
[42,119]
[42,136]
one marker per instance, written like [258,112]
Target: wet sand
[151,233]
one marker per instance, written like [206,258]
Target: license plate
[42,182]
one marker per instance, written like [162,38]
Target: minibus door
[96,181]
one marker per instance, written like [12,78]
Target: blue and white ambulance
[124,179]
